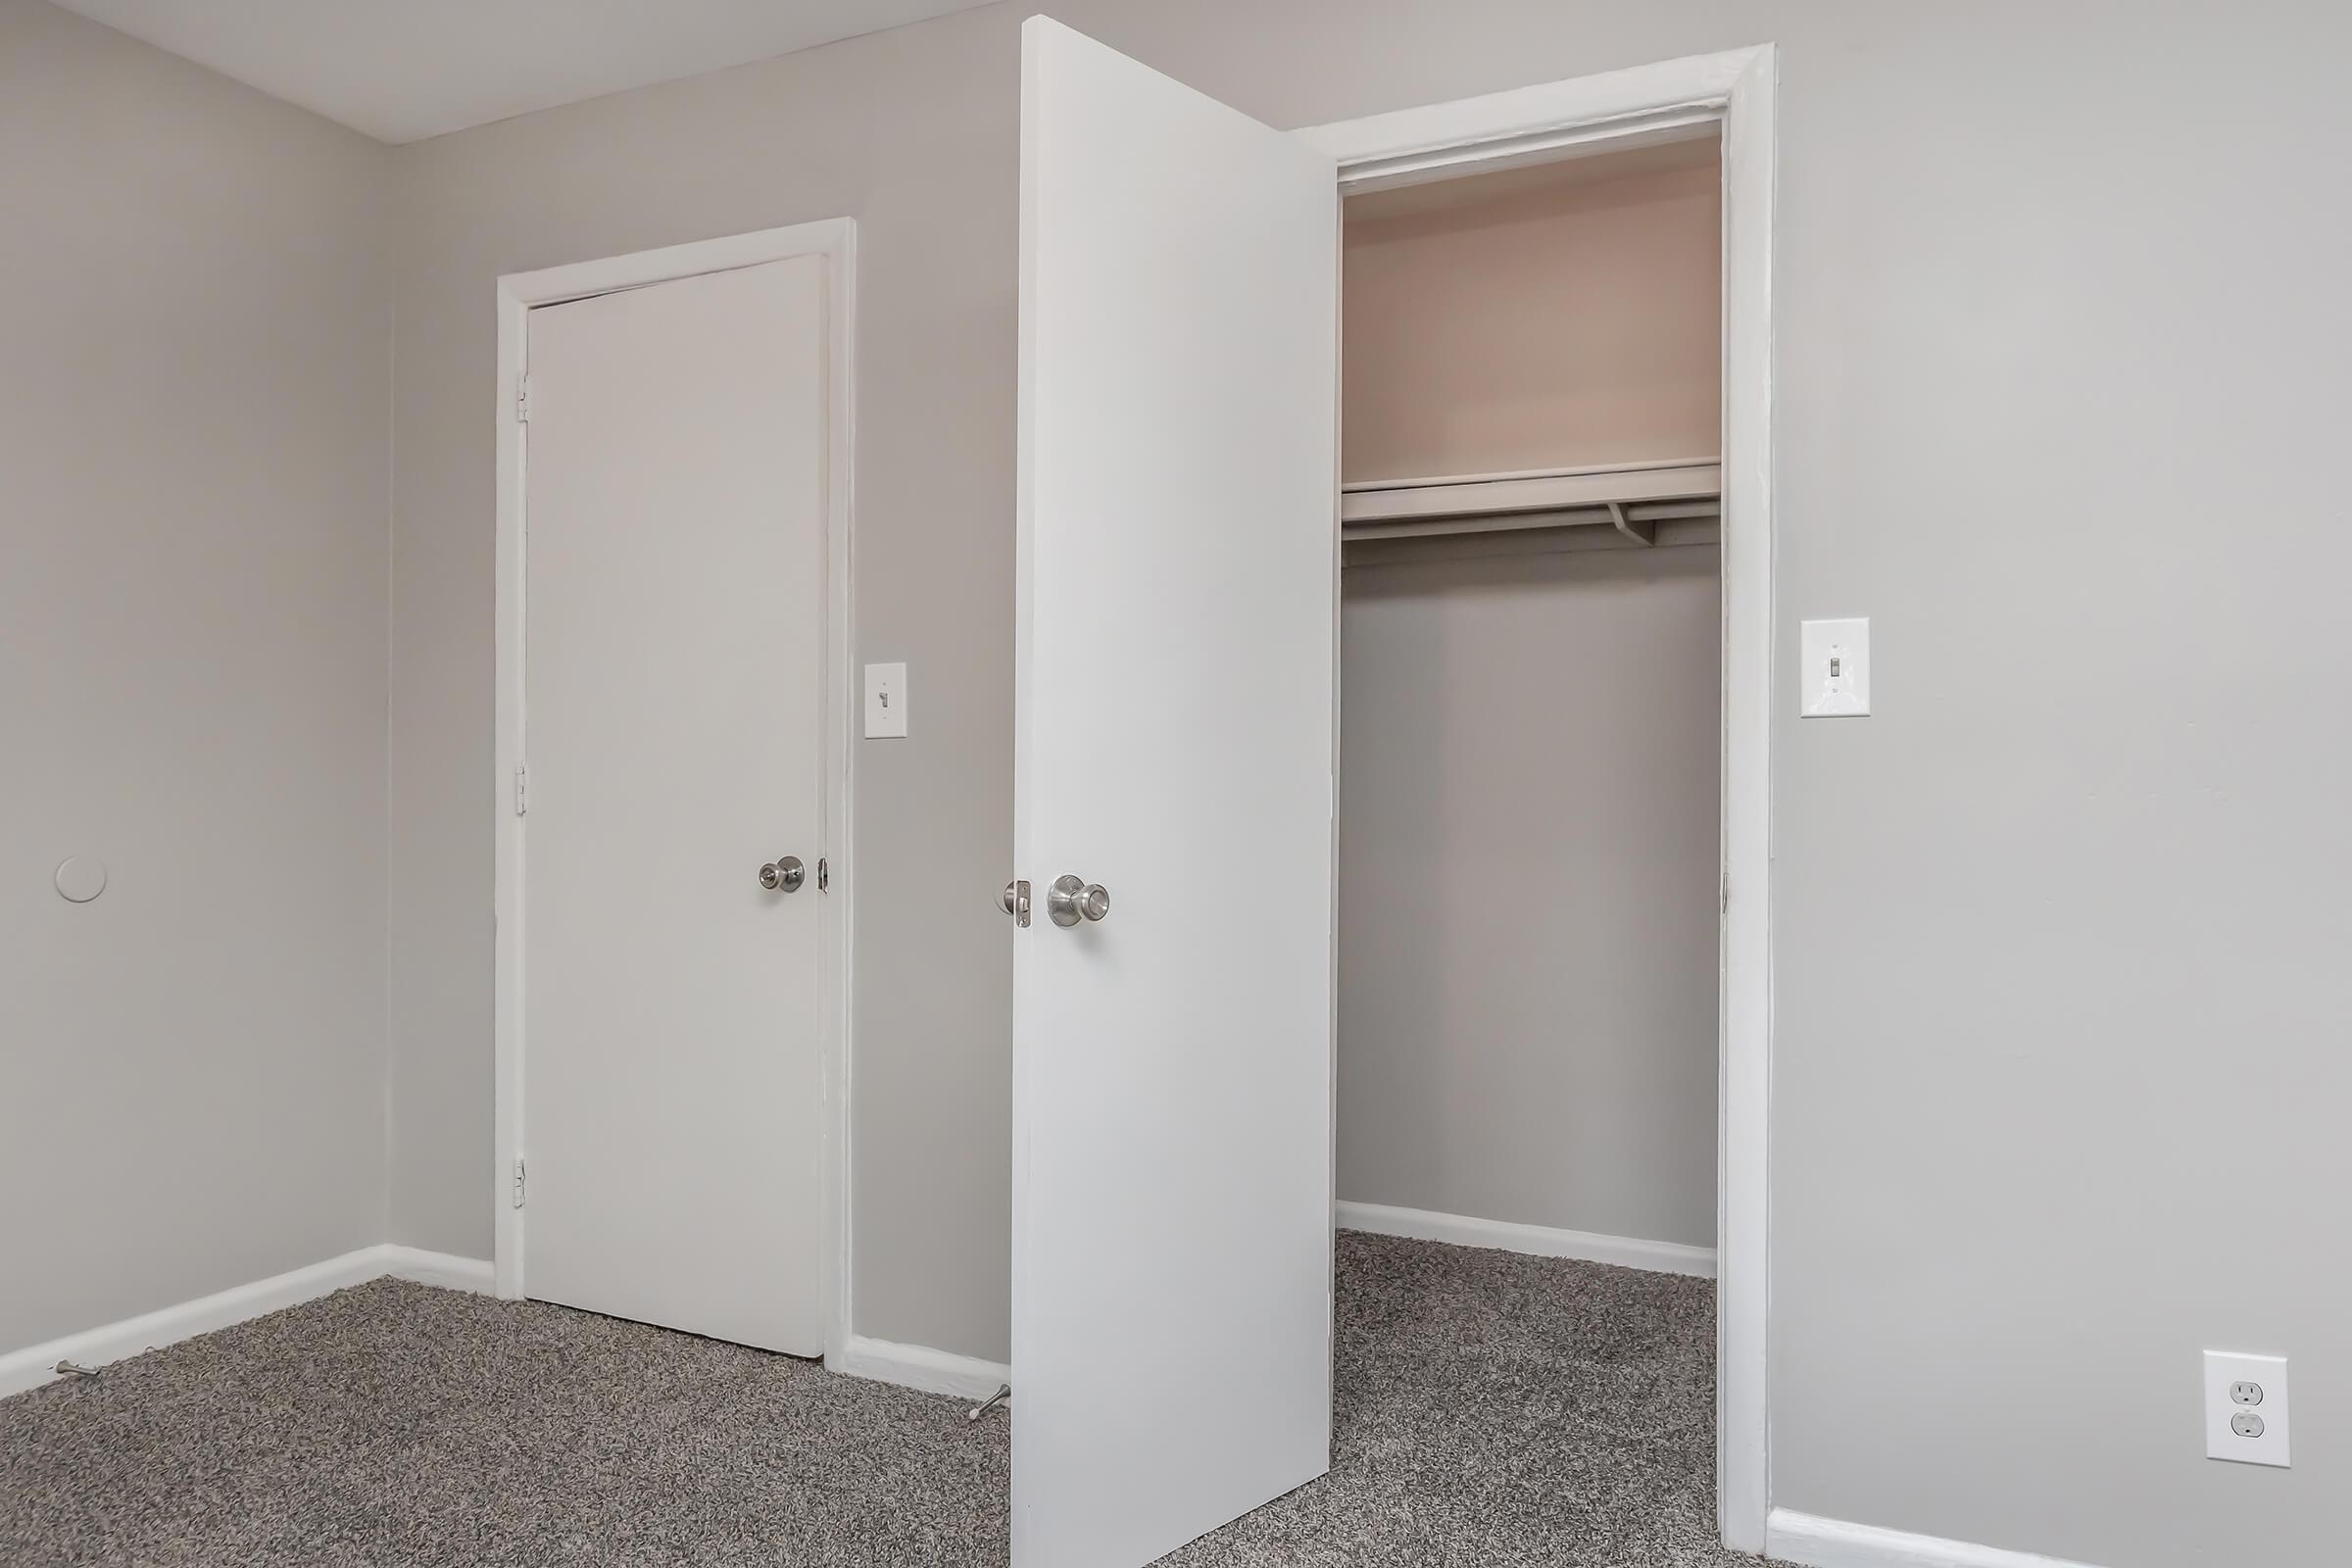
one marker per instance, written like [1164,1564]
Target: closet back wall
[1556,316]
[1529,791]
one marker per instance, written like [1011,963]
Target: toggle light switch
[884,702]
[1835,657]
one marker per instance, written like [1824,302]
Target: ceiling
[404,69]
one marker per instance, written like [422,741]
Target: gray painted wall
[1529,771]
[2061,322]
[194,404]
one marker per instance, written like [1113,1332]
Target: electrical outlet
[2245,1408]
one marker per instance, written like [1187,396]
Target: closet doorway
[1730,99]
[1531,709]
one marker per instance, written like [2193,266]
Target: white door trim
[1670,100]
[835,239]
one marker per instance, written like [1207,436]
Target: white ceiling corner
[404,69]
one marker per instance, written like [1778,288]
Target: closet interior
[1531,707]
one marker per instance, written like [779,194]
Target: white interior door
[1171,1311]
[675,637]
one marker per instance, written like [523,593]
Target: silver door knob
[784,873]
[1016,901]
[1073,899]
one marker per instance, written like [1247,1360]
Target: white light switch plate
[884,702]
[2245,1408]
[1835,658]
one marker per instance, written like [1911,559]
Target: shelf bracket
[1641,533]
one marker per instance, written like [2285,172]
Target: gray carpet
[1493,1409]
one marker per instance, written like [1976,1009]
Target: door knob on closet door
[784,873]
[1075,899]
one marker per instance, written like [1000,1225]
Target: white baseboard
[1801,1538]
[1540,1240]
[445,1269]
[37,1364]
[918,1366]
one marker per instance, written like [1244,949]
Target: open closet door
[1172,1100]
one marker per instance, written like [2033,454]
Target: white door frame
[836,240]
[1621,109]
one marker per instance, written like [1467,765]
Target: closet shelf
[1630,501]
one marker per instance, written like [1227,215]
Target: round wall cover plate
[81,878]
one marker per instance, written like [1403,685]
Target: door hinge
[824,873]
[522,398]
[519,1175]
[1723,894]
[522,791]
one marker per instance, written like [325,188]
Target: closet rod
[1482,495]
[1630,499]
[1546,535]
[1637,516]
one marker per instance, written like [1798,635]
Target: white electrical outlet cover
[1834,662]
[884,702]
[2245,1386]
